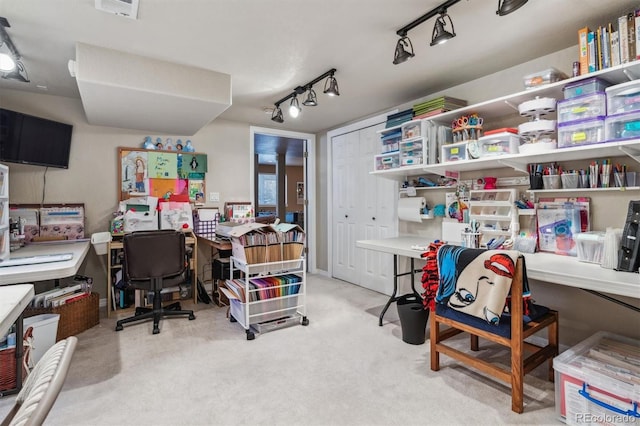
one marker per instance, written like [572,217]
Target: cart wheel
[305,321]
[232,319]
[250,335]
[191,317]
[119,327]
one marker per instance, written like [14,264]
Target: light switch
[214,197]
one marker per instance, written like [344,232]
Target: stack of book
[399,118]
[437,106]
[59,296]
[610,44]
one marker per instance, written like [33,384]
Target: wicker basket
[75,317]
[8,362]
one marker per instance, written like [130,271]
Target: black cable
[44,185]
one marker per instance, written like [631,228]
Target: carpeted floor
[341,369]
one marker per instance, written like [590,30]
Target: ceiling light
[312,99]
[402,54]
[17,71]
[6,62]
[332,89]
[294,108]
[277,115]
[505,7]
[440,35]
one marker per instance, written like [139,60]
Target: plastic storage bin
[593,385]
[499,144]
[623,97]
[411,152]
[539,78]
[454,152]
[590,246]
[387,161]
[585,87]
[45,332]
[570,180]
[582,107]
[622,126]
[581,132]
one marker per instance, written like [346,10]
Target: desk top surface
[45,271]
[547,267]
[217,243]
[13,300]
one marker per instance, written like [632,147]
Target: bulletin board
[160,174]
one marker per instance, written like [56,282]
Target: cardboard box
[254,243]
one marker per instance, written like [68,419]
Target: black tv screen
[32,140]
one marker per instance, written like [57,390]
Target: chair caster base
[156,330]
[191,317]
[305,321]
[119,327]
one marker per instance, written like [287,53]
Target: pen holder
[630,178]
[584,181]
[604,180]
[618,179]
[551,181]
[569,180]
[535,182]
[471,239]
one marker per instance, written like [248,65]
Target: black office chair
[154,260]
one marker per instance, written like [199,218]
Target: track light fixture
[440,35]
[505,7]
[11,66]
[312,99]
[404,48]
[330,88]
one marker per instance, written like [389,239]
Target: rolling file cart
[268,296]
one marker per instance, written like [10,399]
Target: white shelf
[526,212]
[507,106]
[615,188]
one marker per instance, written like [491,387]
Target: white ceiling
[270,47]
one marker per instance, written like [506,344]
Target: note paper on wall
[410,208]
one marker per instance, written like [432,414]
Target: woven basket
[75,317]
[8,362]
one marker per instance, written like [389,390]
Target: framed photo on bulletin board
[159,173]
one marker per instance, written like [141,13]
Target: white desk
[398,246]
[13,300]
[45,271]
[547,267]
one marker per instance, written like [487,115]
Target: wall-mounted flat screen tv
[32,140]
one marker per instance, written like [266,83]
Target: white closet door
[345,206]
[378,216]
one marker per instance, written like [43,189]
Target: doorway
[283,180]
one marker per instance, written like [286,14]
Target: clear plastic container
[387,161]
[581,132]
[622,126]
[585,87]
[539,78]
[582,107]
[454,152]
[623,97]
[590,246]
[589,389]
[499,144]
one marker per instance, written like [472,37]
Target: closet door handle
[346,216]
[373,218]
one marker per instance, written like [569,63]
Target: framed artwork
[300,192]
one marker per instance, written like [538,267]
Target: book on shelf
[583,50]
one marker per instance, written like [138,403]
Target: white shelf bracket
[519,167]
[629,74]
[515,107]
[630,153]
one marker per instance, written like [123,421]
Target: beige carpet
[341,369]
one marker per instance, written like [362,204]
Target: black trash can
[413,319]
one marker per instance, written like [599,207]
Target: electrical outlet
[214,197]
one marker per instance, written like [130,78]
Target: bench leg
[434,331]
[474,342]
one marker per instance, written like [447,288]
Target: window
[268,189]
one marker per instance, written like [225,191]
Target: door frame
[372,121]
[309,179]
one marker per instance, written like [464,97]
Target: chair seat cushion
[503,328]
